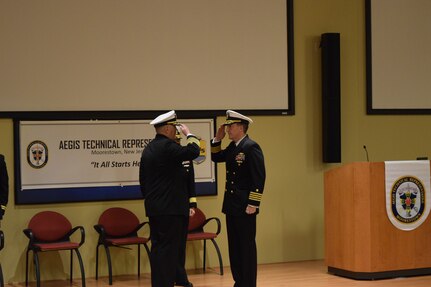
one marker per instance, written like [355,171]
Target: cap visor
[174,123]
[229,122]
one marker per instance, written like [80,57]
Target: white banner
[408,193]
[69,154]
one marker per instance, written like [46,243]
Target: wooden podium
[360,241]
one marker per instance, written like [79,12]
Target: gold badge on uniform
[239,158]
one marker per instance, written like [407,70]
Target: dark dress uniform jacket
[245,174]
[4,186]
[161,176]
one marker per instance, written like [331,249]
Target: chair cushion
[118,221]
[127,240]
[57,246]
[201,236]
[49,226]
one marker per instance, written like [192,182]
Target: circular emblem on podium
[408,199]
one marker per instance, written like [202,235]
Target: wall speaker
[331,103]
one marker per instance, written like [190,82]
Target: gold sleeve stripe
[255,196]
[215,149]
[192,199]
[3,207]
[193,140]
[256,193]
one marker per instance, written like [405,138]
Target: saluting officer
[164,188]
[245,180]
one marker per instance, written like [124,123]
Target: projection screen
[146,55]
[398,56]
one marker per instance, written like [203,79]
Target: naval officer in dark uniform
[163,186]
[245,180]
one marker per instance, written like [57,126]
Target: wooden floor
[293,274]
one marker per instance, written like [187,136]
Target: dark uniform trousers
[181,274]
[241,231]
[166,238]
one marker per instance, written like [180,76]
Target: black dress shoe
[187,284]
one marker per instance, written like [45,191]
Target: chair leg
[1,277]
[139,260]
[205,254]
[26,268]
[81,265]
[71,266]
[108,257]
[97,261]
[147,249]
[219,256]
[37,269]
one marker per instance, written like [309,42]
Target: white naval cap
[169,118]
[235,117]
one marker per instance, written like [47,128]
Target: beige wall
[290,226]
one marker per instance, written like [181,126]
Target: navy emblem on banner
[408,199]
[37,154]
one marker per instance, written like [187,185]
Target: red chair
[196,231]
[1,247]
[51,231]
[119,227]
